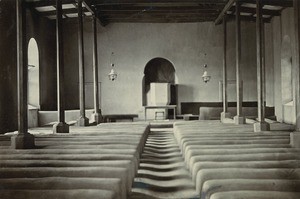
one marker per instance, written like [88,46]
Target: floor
[162,172]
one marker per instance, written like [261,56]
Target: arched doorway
[33,74]
[159,70]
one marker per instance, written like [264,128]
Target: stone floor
[162,172]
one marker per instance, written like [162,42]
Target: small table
[161,107]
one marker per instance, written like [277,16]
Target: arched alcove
[33,74]
[158,70]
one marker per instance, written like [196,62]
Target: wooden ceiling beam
[159,11]
[159,15]
[282,3]
[154,9]
[124,2]
[65,11]
[250,18]
[226,8]
[187,13]
[264,11]
[88,5]
[158,20]
[93,9]
[34,3]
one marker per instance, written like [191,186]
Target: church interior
[150,99]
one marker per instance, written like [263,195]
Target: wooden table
[161,107]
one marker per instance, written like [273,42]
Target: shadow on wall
[287,81]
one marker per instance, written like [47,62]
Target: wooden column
[263,71]
[61,126]
[296,70]
[97,114]
[295,136]
[23,140]
[82,121]
[261,125]
[225,113]
[238,119]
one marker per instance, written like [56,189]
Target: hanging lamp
[112,75]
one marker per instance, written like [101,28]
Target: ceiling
[160,11]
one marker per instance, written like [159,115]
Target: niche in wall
[159,70]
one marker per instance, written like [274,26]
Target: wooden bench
[114,117]
[187,117]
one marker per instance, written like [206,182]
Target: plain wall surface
[283,29]
[187,46]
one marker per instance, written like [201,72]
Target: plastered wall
[284,41]
[187,46]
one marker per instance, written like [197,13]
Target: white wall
[183,44]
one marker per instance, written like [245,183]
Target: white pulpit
[160,93]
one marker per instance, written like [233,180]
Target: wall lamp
[112,75]
[205,75]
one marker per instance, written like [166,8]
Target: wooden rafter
[250,18]
[163,11]
[264,11]
[224,11]
[282,3]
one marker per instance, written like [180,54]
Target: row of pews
[91,162]
[232,162]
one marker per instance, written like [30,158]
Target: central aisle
[162,172]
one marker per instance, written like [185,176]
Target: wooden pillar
[263,71]
[295,136]
[61,126]
[82,121]
[225,113]
[261,125]
[239,118]
[97,114]
[23,140]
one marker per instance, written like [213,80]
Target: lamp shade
[205,77]
[112,75]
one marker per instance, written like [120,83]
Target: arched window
[33,74]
